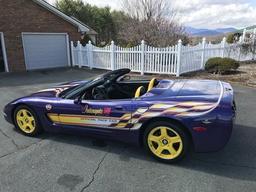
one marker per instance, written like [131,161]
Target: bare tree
[147,9]
[151,20]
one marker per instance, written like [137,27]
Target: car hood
[56,90]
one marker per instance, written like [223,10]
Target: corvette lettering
[94,111]
[105,111]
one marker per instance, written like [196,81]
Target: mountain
[208,32]
[226,30]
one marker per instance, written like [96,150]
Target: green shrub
[212,64]
[221,65]
[231,38]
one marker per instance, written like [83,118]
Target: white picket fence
[174,60]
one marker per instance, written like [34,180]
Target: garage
[40,37]
[45,50]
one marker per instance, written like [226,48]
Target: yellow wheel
[166,141]
[26,121]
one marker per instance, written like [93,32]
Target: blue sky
[205,13]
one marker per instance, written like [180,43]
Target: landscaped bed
[245,75]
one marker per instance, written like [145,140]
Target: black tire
[37,129]
[182,146]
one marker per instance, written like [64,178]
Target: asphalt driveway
[57,162]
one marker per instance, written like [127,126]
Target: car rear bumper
[218,124]
[215,138]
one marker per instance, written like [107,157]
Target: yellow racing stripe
[54,117]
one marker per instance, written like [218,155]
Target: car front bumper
[7,114]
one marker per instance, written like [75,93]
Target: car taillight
[199,129]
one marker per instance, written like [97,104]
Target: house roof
[83,28]
[90,32]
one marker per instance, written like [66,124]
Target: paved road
[71,163]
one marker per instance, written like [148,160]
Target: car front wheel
[26,121]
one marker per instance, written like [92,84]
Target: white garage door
[43,50]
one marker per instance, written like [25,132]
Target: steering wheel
[99,93]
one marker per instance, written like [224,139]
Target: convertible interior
[122,89]
[131,88]
[112,85]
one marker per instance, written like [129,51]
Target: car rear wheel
[166,141]
[26,121]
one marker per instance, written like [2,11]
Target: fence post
[72,54]
[203,52]
[223,45]
[240,43]
[178,58]
[142,56]
[254,33]
[254,43]
[240,39]
[244,34]
[112,55]
[90,54]
[80,54]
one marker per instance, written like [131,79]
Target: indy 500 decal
[102,117]
[83,120]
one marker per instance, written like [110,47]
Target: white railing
[174,60]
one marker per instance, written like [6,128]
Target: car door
[108,114]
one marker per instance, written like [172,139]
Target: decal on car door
[103,117]
[83,120]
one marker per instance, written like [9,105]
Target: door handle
[119,108]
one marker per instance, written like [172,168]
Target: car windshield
[75,89]
[110,76]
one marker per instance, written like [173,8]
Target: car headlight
[4,114]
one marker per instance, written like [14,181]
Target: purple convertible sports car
[166,116]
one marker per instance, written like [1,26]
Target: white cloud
[204,13]
[216,13]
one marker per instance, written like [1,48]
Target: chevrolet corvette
[167,117]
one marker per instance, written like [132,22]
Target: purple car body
[206,108]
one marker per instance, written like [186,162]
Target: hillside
[196,32]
